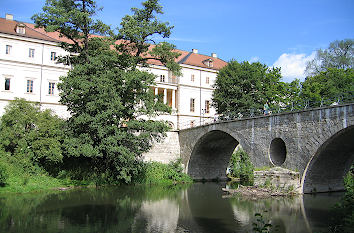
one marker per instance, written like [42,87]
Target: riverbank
[17,179]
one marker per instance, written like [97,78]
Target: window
[207,106]
[207,80]
[192,123]
[7,84]
[210,63]
[192,77]
[20,29]
[162,78]
[29,86]
[192,104]
[53,56]
[51,88]
[8,49]
[31,53]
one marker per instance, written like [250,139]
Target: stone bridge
[319,143]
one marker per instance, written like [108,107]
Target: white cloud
[254,59]
[293,65]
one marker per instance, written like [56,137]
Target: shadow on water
[198,208]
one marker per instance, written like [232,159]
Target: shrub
[342,214]
[32,136]
[241,167]
[3,175]
[159,173]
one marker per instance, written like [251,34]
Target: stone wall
[278,177]
[165,151]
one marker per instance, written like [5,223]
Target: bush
[3,175]
[343,215]
[32,136]
[241,167]
[159,173]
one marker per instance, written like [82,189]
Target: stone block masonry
[316,142]
[165,151]
[279,178]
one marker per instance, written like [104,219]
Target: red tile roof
[9,27]
[187,58]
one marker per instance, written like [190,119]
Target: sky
[281,33]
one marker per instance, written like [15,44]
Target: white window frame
[53,56]
[162,78]
[5,79]
[192,105]
[29,86]
[31,52]
[8,49]
[192,78]
[51,88]
[207,106]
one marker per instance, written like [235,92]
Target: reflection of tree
[278,210]
[112,209]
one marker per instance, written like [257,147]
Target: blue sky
[279,33]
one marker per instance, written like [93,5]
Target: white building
[28,70]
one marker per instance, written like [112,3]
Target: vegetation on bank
[342,213]
[240,167]
[34,155]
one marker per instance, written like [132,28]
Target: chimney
[214,55]
[194,50]
[9,17]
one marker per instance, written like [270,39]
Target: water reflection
[198,208]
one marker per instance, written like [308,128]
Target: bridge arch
[211,155]
[332,160]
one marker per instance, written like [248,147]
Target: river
[200,207]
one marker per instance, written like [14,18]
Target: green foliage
[3,174]
[105,92]
[74,20]
[342,214]
[261,225]
[106,103]
[329,84]
[339,55]
[158,173]
[139,30]
[241,167]
[243,86]
[32,136]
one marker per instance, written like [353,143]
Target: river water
[195,208]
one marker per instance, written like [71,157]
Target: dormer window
[20,28]
[208,62]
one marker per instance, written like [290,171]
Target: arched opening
[211,156]
[277,151]
[331,162]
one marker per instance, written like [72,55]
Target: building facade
[28,70]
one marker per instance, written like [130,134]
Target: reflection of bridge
[319,143]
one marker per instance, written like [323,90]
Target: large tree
[339,55]
[244,87]
[330,85]
[110,100]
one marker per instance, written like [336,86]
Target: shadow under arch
[211,155]
[326,169]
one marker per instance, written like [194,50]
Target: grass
[264,168]
[22,180]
